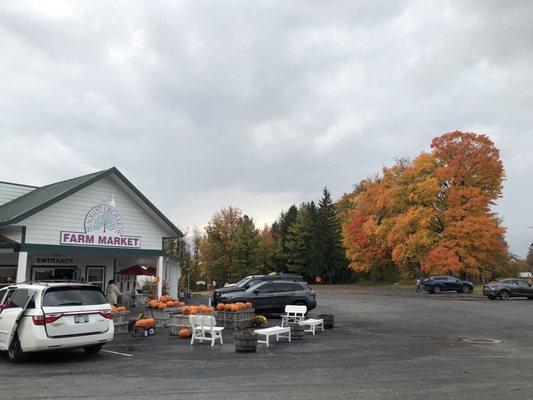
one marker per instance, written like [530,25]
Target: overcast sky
[260,104]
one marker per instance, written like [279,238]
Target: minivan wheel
[95,348]
[437,290]
[15,353]
[503,295]
[465,289]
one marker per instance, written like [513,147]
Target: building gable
[110,202]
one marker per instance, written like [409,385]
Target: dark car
[253,280]
[507,288]
[272,296]
[438,284]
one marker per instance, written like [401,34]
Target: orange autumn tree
[433,214]
[368,214]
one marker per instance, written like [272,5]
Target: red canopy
[138,270]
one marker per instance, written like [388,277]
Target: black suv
[438,284]
[272,296]
[253,280]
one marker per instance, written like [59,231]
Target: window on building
[8,275]
[95,275]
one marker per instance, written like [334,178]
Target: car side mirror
[2,306]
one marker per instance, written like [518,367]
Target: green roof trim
[110,251]
[32,202]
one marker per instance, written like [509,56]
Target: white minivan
[40,316]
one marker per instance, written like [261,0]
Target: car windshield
[243,281]
[73,296]
[254,285]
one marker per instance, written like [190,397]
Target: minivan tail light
[48,319]
[106,314]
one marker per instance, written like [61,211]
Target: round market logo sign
[103,227]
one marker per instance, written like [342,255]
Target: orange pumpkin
[184,333]
[220,307]
[227,307]
[193,311]
[234,307]
[248,305]
[162,306]
[240,305]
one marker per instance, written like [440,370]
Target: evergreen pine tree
[280,232]
[332,257]
[246,249]
[302,244]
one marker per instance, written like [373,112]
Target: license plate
[81,319]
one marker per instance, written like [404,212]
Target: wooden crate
[220,316]
[177,322]
[121,328]
[121,317]
[162,317]
[239,319]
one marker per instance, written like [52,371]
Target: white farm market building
[86,228]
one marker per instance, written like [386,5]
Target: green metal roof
[32,202]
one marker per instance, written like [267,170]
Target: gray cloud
[260,104]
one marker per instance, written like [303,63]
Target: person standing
[418,285]
[112,292]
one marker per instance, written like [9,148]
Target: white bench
[204,329]
[296,315]
[278,331]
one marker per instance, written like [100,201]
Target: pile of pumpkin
[201,309]
[145,323]
[115,310]
[234,306]
[164,302]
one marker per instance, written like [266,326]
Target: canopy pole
[159,276]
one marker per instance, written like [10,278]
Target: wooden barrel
[245,341]
[329,320]
[297,331]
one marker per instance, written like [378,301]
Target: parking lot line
[116,352]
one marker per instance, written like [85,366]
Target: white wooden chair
[204,329]
[296,315]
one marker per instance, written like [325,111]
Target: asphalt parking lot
[387,344]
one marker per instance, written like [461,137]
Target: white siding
[69,215]
[10,191]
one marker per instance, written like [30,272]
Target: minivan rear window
[73,296]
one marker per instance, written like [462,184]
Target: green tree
[529,259]
[269,249]
[329,232]
[246,249]
[303,246]
[280,233]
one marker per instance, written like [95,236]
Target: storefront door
[53,273]
[96,276]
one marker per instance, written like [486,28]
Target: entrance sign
[103,228]
[54,261]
